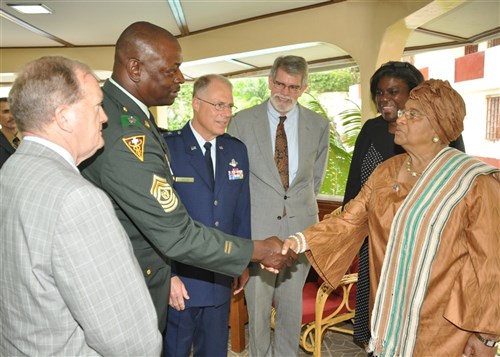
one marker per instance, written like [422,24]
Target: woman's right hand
[289,243]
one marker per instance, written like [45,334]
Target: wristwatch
[487,341]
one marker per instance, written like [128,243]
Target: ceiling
[76,23]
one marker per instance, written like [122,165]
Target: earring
[435,139]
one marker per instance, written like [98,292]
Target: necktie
[210,164]
[281,152]
[15,142]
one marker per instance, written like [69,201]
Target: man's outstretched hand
[268,253]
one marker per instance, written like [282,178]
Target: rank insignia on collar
[164,194]
[146,123]
[129,120]
[136,145]
[233,163]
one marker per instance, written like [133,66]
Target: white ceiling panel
[202,14]
[99,23]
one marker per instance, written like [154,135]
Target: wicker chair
[324,308]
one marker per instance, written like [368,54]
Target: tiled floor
[334,345]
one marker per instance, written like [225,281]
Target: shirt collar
[9,136]
[199,138]
[54,147]
[274,115]
[141,105]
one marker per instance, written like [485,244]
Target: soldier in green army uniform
[134,170]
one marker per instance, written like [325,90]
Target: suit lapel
[264,143]
[193,151]
[222,163]
[6,144]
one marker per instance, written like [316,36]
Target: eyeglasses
[293,88]
[220,106]
[411,114]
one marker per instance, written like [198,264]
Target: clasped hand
[271,255]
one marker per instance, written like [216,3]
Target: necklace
[409,168]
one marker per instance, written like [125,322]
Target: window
[494,42]
[493,118]
[470,49]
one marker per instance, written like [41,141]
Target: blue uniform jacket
[227,208]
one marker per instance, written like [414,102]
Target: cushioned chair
[324,308]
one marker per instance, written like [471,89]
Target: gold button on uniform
[148,271]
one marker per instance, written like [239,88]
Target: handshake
[271,255]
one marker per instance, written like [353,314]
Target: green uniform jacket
[133,169]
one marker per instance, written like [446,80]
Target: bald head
[147,61]
[138,38]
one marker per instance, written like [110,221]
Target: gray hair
[42,86]
[204,81]
[292,65]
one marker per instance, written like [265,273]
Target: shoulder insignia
[130,120]
[136,145]
[228,245]
[164,194]
[171,133]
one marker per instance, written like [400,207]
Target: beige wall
[371,31]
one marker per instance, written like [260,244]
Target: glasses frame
[409,114]
[281,86]
[220,106]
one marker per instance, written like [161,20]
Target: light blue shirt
[292,136]
[202,142]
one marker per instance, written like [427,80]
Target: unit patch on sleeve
[164,194]
[136,145]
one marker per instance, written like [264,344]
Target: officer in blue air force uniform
[215,192]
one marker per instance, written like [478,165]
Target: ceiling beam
[180,19]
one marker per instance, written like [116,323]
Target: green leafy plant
[350,120]
[339,159]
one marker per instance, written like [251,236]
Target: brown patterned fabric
[281,152]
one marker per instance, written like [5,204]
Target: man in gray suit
[70,283]
[282,201]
